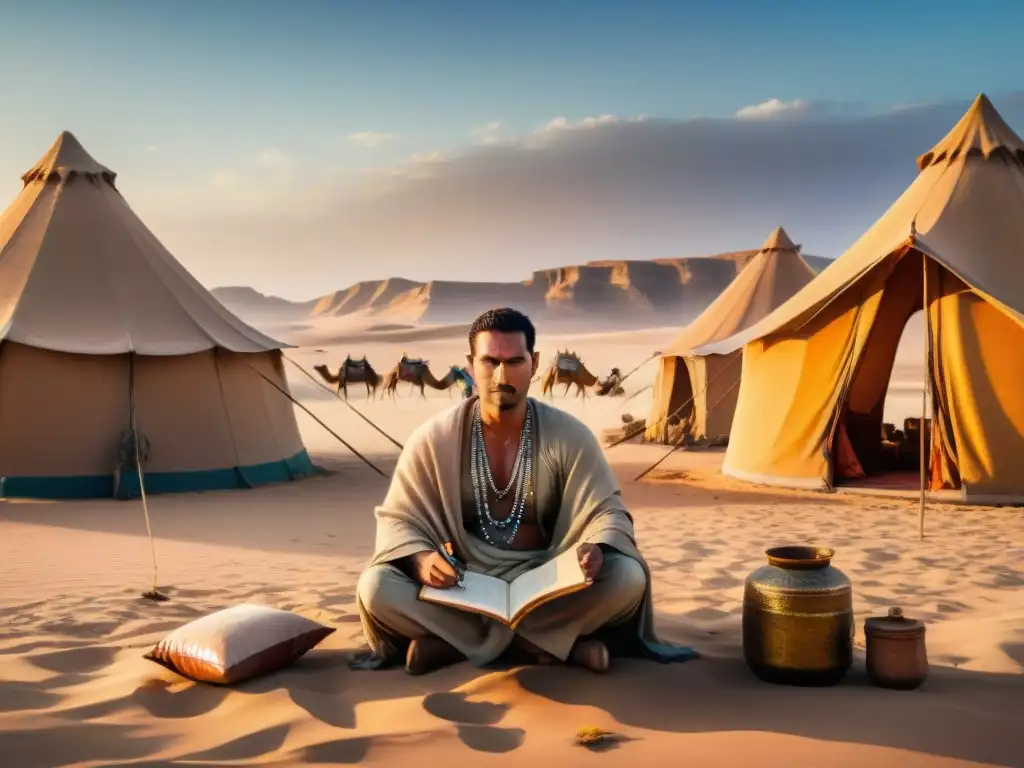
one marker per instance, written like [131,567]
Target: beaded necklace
[521,478]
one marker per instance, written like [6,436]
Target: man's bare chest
[504,454]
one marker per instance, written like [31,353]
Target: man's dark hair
[503,320]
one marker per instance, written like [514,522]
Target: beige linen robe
[423,509]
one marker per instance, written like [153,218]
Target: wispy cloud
[371,138]
[565,124]
[488,133]
[773,109]
[601,187]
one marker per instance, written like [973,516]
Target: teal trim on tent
[102,486]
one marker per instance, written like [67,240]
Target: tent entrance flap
[866,449]
[680,404]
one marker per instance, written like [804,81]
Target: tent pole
[924,396]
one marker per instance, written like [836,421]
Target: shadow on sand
[710,695]
[956,714]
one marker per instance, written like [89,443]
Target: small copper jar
[896,653]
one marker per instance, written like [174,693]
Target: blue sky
[215,111]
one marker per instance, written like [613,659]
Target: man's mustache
[504,388]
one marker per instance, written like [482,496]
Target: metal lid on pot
[895,624]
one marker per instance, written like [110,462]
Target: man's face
[502,368]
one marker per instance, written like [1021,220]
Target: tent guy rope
[620,406]
[682,443]
[357,412]
[338,437]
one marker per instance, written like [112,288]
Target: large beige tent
[700,391]
[816,371]
[95,311]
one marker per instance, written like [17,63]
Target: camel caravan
[567,369]
[414,371]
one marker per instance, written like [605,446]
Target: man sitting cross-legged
[540,485]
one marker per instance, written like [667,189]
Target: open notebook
[510,602]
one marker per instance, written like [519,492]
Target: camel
[417,373]
[352,372]
[567,369]
[612,386]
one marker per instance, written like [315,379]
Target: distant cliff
[625,293]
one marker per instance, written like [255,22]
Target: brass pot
[896,653]
[798,618]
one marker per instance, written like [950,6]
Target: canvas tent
[93,311]
[816,371]
[700,391]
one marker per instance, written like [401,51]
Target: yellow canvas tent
[816,371]
[96,313]
[700,391]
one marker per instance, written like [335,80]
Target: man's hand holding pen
[438,569]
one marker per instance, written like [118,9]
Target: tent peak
[980,132]
[779,241]
[66,160]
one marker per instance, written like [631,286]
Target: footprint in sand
[75,660]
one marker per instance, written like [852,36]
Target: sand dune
[75,691]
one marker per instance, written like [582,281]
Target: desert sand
[75,690]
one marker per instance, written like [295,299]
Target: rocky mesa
[614,293]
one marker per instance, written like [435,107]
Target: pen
[449,554]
